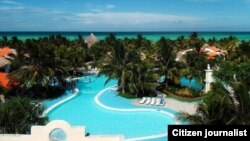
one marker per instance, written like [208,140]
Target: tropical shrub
[185,92]
[223,106]
[17,115]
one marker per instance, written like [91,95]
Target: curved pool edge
[74,94]
[147,137]
[98,102]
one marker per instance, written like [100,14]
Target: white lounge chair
[143,100]
[158,101]
[153,101]
[162,103]
[148,101]
[114,88]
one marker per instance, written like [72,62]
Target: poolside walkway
[179,106]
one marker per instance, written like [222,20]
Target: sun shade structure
[91,40]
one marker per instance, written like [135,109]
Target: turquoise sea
[154,36]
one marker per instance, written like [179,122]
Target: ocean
[154,36]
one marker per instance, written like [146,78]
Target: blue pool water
[193,83]
[111,99]
[82,110]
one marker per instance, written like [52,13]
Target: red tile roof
[4,80]
[211,51]
[5,51]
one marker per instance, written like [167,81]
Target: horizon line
[127,31]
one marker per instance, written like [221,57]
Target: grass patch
[127,95]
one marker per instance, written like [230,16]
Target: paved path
[179,106]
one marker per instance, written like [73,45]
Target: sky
[124,15]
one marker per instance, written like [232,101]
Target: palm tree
[243,51]
[213,42]
[166,54]
[74,55]
[216,108]
[195,64]
[17,115]
[38,70]
[46,63]
[4,41]
[67,59]
[224,106]
[134,74]
[229,43]
[81,42]
[237,76]
[98,51]
[141,43]
[142,80]
[114,64]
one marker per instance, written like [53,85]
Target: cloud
[134,18]
[22,10]
[46,19]
[10,2]
[99,8]
[110,6]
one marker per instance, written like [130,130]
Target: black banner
[208,132]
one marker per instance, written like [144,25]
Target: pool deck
[179,106]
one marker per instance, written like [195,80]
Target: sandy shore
[179,106]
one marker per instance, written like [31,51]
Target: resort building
[212,52]
[6,54]
[58,130]
[5,81]
[180,56]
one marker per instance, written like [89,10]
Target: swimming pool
[83,110]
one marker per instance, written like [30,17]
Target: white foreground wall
[58,130]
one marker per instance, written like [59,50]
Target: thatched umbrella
[4,62]
[91,40]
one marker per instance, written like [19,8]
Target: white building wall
[42,133]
